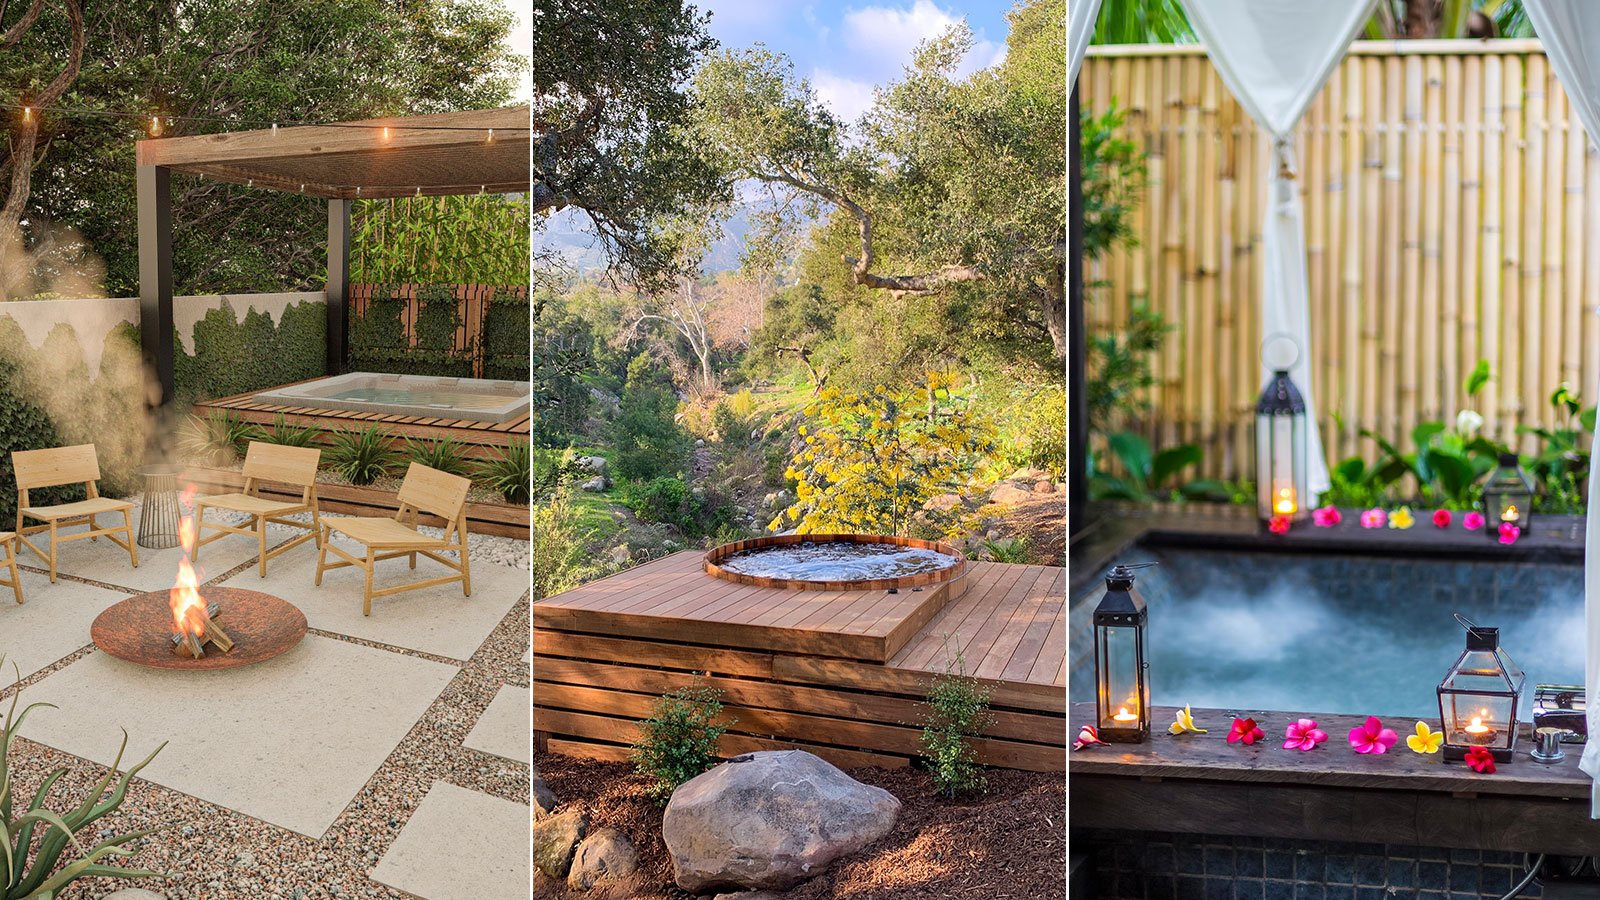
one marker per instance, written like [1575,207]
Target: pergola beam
[155,276]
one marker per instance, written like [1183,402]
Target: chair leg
[316,526]
[52,552]
[93,526]
[413,559]
[261,541]
[466,569]
[133,546]
[11,563]
[322,555]
[366,602]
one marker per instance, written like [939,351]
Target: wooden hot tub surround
[1201,784]
[716,555]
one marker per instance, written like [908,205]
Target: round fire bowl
[139,629]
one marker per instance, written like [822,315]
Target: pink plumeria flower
[1372,737]
[1279,525]
[1509,533]
[1326,517]
[1245,730]
[1304,735]
[1441,518]
[1472,521]
[1374,518]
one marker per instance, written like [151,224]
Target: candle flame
[1509,515]
[1285,502]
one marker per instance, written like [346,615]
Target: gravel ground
[1008,844]
[211,853]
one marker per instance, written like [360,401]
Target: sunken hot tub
[474,399]
[836,562]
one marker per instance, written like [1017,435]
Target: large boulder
[556,839]
[1008,494]
[606,853]
[544,799]
[768,821]
[594,465]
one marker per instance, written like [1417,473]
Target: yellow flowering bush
[871,460]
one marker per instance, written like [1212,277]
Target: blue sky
[845,47]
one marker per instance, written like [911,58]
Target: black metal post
[338,284]
[1078,405]
[155,278]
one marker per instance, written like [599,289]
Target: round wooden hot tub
[718,561]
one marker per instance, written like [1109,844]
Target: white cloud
[891,34]
[847,97]
[521,42]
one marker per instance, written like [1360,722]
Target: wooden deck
[478,439]
[840,673]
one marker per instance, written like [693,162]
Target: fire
[188,610]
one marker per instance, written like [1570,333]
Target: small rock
[1044,487]
[246,860]
[606,853]
[699,442]
[544,799]
[620,554]
[597,484]
[669,545]
[1008,493]
[594,465]
[556,839]
[698,491]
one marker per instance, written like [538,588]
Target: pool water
[434,398]
[836,561]
[1360,635]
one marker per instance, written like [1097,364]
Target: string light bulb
[386,132]
[490,139]
[27,114]
[155,125]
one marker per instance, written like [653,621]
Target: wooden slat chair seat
[424,490]
[55,466]
[274,463]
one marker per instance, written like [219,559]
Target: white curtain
[1570,30]
[1080,26]
[1275,55]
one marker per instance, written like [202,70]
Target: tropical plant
[679,740]
[51,872]
[1142,22]
[509,472]
[1446,462]
[362,457]
[1118,368]
[219,438]
[871,461]
[1425,19]
[1150,475]
[288,435]
[1562,464]
[442,453]
[958,712]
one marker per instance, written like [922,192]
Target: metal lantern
[1508,496]
[1281,450]
[1122,686]
[1478,697]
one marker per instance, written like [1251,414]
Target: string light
[27,114]
[386,132]
[491,137]
[155,124]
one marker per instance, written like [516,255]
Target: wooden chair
[9,539]
[424,490]
[67,465]
[276,463]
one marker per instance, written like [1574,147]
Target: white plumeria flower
[1468,421]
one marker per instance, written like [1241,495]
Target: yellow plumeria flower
[1426,740]
[1401,518]
[1184,723]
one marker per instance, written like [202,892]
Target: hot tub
[474,399]
[836,562]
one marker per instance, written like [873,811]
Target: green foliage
[379,341]
[670,501]
[219,439]
[1561,466]
[1150,475]
[872,461]
[733,429]
[556,544]
[510,472]
[233,357]
[1118,368]
[1034,434]
[24,426]
[679,740]
[648,439]
[468,239]
[1113,180]
[52,870]
[285,434]
[1142,22]
[958,712]
[362,457]
[442,453]
[1006,549]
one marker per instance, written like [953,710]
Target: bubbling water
[828,561]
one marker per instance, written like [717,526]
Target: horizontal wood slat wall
[1448,219]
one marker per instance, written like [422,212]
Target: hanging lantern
[1281,450]
[1122,690]
[1508,496]
[1478,697]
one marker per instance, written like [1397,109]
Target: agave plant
[47,876]
[509,472]
[288,435]
[443,454]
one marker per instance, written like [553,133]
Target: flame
[188,610]
[1286,503]
[1510,514]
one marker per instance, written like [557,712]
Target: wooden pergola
[479,151]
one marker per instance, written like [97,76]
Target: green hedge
[233,357]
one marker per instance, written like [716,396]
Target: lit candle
[1509,514]
[1285,504]
[1124,716]
[1477,732]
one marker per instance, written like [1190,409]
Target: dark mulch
[1007,844]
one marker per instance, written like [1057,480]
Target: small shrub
[510,472]
[679,740]
[362,457]
[660,500]
[958,711]
[218,439]
[285,434]
[442,453]
[742,403]
[774,465]
[1006,550]
[648,439]
[732,428]
[555,545]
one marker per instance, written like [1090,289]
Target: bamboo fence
[1448,219]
